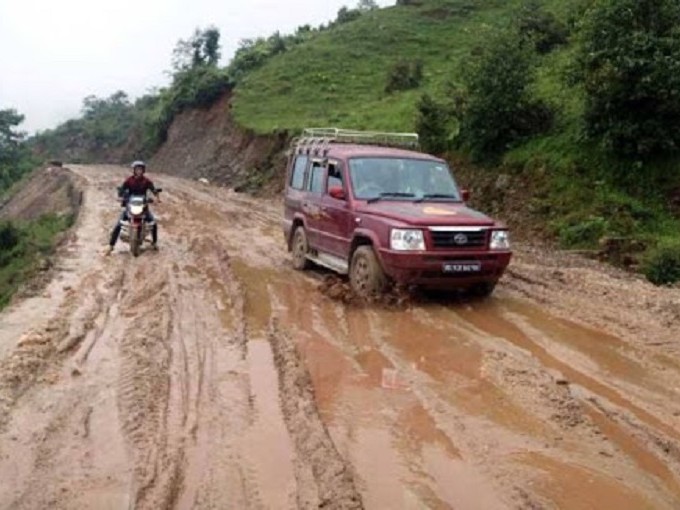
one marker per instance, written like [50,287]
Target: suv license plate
[463,267]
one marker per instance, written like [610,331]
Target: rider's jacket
[136,185]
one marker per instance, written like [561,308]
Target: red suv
[368,205]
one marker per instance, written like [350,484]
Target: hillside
[339,76]
[206,143]
[585,197]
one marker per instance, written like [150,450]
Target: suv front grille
[459,239]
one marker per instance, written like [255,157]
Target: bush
[499,110]
[661,265]
[629,62]
[434,125]
[541,28]
[10,236]
[582,234]
[345,15]
[404,75]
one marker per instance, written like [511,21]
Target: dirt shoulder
[598,294]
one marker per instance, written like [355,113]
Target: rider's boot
[154,237]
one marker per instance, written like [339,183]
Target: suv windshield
[397,178]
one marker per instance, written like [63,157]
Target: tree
[541,27]
[15,158]
[629,63]
[367,5]
[499,109]
[11,148]
[10,119]
[203,48]
[433,125]
[345,15]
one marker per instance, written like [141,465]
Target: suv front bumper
[427,268]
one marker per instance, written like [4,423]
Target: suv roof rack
[317,140]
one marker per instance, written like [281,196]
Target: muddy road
[211,375]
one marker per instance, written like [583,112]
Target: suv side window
[297,180]
[316,183]
[334,176]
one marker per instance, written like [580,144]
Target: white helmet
[138,163]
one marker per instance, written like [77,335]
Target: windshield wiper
[437,195]
[391,194]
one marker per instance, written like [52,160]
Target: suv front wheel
[300,247]
[366,275]
[483,290]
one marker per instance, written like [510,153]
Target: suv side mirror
[465,195]
[337,193]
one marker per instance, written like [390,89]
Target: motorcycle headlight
[407,240]
[500,240]
[136,210]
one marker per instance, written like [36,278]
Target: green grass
[30,242]
[339,77]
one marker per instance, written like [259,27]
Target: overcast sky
[53,53]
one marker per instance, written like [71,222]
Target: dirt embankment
[52,190]
[208,144]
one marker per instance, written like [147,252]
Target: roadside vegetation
[25,249]
[16,159]
[26,245]
[583,95]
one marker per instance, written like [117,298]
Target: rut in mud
[211,375]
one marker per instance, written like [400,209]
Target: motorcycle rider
[136,184]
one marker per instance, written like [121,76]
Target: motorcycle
[134,230]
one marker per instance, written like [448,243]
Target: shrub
[404,75]
[500,110]
[629,62]
[582,234]
[9,237]
[661,264]
[540,27]
[433,125]
[345,15]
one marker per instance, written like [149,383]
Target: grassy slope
[338,79]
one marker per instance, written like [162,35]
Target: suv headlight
[407,240]
[500,240]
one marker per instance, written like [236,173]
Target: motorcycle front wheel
[135,241]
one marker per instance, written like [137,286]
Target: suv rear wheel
[366,276]
[300,247]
